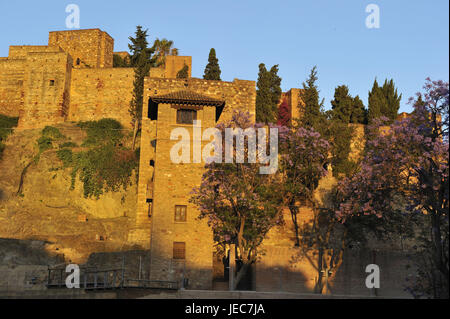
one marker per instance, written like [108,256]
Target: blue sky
[411,44]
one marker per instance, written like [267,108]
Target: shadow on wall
[15,252]
[23,265]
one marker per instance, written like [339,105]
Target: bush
[6,125]
[52,133]
[48,135]
[66,156]
[44,144]
[68,145]
[102,132]
[104,168]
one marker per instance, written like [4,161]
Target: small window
[78,61]
[180,213]
[52,82]
[186,116]
[179,251]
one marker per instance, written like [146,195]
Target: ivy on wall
[6,126]
[102,162]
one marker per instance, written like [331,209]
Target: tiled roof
[187,97]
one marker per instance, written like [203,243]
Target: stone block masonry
[46,85]
[101,93]
[70,79]
[91,48]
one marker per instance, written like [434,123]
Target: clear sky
[411,44]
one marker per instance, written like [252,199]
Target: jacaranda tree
[240,204]
[405,171]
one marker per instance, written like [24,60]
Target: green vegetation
[119,62]
[104,131]
[49,139]
[141,59]
[6,125]
[313,115]
[105,165]
[162,49]
[66,156]
[333,125]
[268,94]
[101,169]
[346,108]
[183,73]
[384,101]
[212,70]
[68,144]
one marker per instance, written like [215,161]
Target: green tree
[6,127]
[212,70]
[340,135]
[119,62]
[268,94]
[313,115]
[359,114]
[139,46]
[342,104]
[346,108]
[384,101]
[141,70]
[183,73]
[162,48]
[239,203]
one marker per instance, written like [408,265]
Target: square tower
[90,48]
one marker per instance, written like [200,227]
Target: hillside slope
[46,208]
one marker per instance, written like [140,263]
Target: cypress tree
[392,100]
[384,101]
[138,46]
[119,62]
[183,73]
[212,70]
[141,60]
[342,104]
[275,91]
[313,115]
[346,108]
[375,101]
[268,94]
[359,114]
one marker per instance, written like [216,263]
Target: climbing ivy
[104,165]
[6,125]
[105,131]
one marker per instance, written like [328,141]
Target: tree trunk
[319,285]
[241,274]
[135,133]
[294,211]
[442,274]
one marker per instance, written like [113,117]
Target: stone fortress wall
[72,79]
